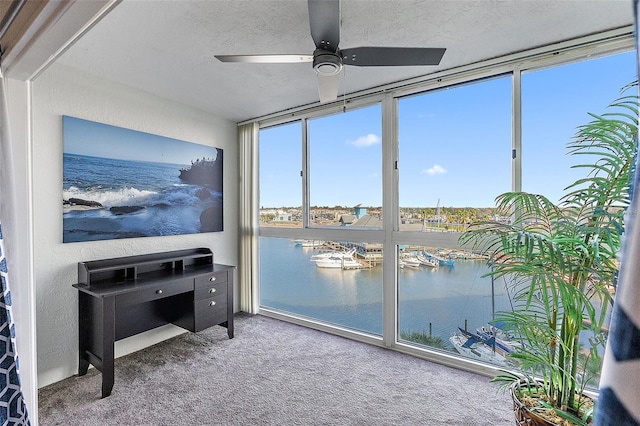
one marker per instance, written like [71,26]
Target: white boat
[473,347]
[503,341]
[411,261]
[342,262]
[329,254]
[440,259]
[431,263]
[308,243]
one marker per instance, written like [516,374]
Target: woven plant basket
[524,417]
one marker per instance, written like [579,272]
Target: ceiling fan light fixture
[328,59]
[326,62]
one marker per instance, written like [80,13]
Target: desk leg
[108,341]
[83,366]
[84,331]
[230,327]
[230,304]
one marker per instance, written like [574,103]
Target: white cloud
[435,170]
[365,141]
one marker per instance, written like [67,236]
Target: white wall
[18,242]
[62,91]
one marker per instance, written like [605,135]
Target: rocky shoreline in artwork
[141,199]
[210,217]
[80,204]
[204,172]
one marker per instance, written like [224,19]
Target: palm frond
[559,260]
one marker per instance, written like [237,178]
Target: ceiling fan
[328,59]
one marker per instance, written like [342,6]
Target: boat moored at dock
[473,346]
[344,261]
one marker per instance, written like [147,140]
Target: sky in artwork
[84,137]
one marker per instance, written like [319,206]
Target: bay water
[440,300]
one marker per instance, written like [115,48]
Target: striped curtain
[619,399]
[12,406]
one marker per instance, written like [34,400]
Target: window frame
[585,48]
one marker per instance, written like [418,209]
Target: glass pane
[334,282]
[454,158]
[555,102]
[280,150]
[444,302]
[345,169]
[455,154]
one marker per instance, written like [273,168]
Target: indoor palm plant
[559,264]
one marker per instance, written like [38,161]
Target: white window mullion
[516,140]
[389,213]
[305,173]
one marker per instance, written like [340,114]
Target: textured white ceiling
[167,47]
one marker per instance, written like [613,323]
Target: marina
[370,254]
[432,300]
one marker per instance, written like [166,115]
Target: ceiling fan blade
[328,86]
[391,56]
[265,59]
[324,20]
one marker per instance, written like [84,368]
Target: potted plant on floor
[559,264]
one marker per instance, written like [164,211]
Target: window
[455,154]
[331,278]
[280,182]
[555,101]
[334,282]
[345,169]
[442,302]
[454,158]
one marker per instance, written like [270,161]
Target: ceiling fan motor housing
[326,62]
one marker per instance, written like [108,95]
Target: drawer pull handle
[212,303]
[212,279]
[158,291]
[212,290]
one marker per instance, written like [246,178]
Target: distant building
[368,221]
[347,219]
[282,217]
[359,211]
[360,218]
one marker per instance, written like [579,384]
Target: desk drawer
[211,285]
[154,292]
[209,312]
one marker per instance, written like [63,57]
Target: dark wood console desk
[121,297]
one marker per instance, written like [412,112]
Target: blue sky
[85,137]
[455,144]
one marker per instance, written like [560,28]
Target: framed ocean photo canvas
[122,183]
